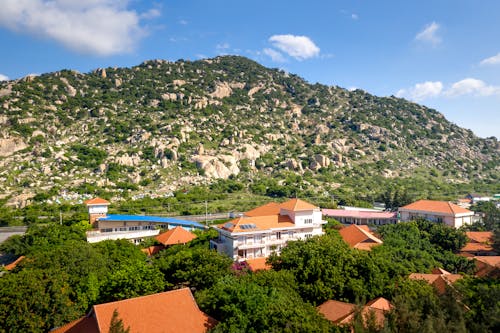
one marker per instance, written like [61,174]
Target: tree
[116,325]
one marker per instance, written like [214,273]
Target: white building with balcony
[267,229]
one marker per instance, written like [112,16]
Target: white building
[436,211]
[135,228]
[267,229]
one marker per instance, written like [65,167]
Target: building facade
[267,229]
[436,211]
[135,228]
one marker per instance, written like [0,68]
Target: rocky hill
[162,125]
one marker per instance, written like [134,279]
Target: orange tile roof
[439,281]
[296,205]
[358,237]
[152,250]
[81,325]
[177,235]
[260,223]
[434,206]
[271,208]
[480,236]
[488,266]
[343,313]
[96,201]
[380,303]
[13,264]
[335,311]
[476,247]
[172,311]
[257,264]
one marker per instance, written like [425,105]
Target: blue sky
[443,54]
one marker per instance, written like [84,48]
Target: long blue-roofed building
[135,228]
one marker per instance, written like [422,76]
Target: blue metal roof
[154,219]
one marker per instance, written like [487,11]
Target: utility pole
[206,212]
[60,217]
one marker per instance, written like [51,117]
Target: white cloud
[183,22]
[275,55]
[151,14]
[422,91]
[298,47]
[495,60]
[429,89]
[354,16]
[470,86]
[429,34]
[102,27]
[4,77]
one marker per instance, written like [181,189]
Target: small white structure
[436,211]
[267,229]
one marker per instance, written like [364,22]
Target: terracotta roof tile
[257,223]
[81,325]
[480,236]
[439,281]
[169,312]
[177,235]
[359,237]
[380,303]
[13,264]
[476,247]
[488,266]
[152,250]
[271,208]
[257,264]
[335,311]
[96,201]
[444,207]
[297,205]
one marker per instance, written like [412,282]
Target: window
[278,235]
[308,221]
[308,236]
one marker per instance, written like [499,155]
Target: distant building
[359,237]
[439,279]
[479,244]
[475,198]
[342,313]
[173,311]
[267,229]
[436,211]
[487,266]
[136,228]
[361,217]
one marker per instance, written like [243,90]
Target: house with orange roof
[479,244]
[173,311]
[487,266]
[436,211]
[439,278]
[342,313]
[359,237]
[267,229]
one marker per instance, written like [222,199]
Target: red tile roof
[13,264]
[81,325]
[296,205]
[438,280]
[258,223]
[343,313]
[488,266]
[480,236]
[152,250]
[173,311]
[444,207]
[257,264]
[96,201]
[359,237]
[177,235]
[272,208]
